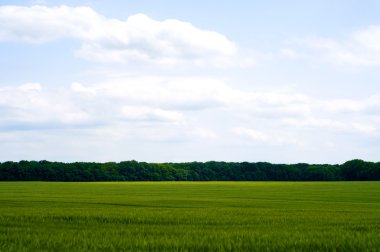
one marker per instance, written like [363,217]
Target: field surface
[190,216]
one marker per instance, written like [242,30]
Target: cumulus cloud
[111,40]
[168,42]
[40,24]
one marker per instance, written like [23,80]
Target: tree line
[193,171]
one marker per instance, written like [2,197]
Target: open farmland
[190,216]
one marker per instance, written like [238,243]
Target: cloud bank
[182,102]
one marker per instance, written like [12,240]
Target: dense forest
[194,171]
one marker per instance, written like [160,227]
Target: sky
[180,81]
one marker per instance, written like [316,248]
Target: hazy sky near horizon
[172,81]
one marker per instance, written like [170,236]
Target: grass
[190,216]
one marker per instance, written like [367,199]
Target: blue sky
[171,81]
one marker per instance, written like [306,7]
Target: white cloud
[255,136]
[370,105]
[28,106]
[203,133]
[195,94]
[364,127]
[252,134]
[368,38]
[31,87]
[289,53]
[312,122]
[146,97]
[110,40]
[167,92]
[341,125]
[168,42]
[79,88]
[40,24]
[185,109]
[142,113]
[359,49]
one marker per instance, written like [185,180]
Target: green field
[190,216]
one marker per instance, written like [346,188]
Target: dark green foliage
[195,171]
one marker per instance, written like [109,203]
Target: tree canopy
[193,171]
